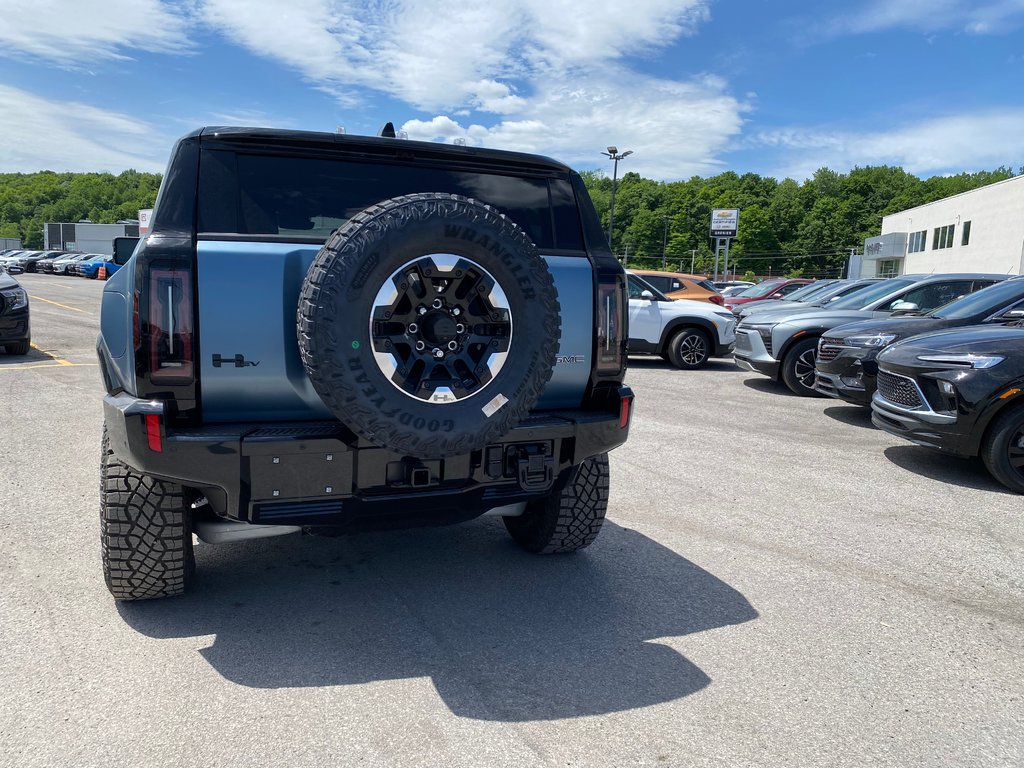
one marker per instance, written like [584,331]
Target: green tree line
[28,200]
[785,227]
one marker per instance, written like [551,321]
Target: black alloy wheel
[441,328]
[1002,449]
[798,368]
[689,349]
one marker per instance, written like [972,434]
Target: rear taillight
[168,337]
[611,323]
[625,408]
[714,298]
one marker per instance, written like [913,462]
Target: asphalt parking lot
[778,584]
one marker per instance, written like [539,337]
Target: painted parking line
[58,304]
[58,362]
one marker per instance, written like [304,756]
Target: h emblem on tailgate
[239,361]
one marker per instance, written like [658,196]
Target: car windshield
[808,291]
[638,285]
[985,301]
[761,289]
[863,297]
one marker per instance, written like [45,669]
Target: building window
[888,267]
[965,238]
[917,241]
[943,237]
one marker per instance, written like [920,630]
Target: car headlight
[726,315]
[15,298]
[966,360]
[764,330]
[870,340]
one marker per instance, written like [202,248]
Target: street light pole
[613,154]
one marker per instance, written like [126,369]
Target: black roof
[271,138]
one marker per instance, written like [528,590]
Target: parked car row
[938,358]
[92,265]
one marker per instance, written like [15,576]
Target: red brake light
[153,432]
[625,407]
[716,299]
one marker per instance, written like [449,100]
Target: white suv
[686,333]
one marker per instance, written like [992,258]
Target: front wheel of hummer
[145,532]
[569,519]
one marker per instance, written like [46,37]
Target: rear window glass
[311,197]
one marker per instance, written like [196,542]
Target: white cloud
[545,76]
[45,135]
[974,141]
[74,34]
[551,72]
[446,55]
[925,16]
[675,129]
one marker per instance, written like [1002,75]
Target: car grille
[899,390]
[828,348]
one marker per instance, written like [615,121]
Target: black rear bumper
[317,473]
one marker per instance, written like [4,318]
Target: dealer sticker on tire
[492,407]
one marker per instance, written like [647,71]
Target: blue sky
[693,87]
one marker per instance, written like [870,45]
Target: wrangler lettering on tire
[421,310]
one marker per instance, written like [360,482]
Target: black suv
[845,367]
[15,333]
[343,333]
[960,392]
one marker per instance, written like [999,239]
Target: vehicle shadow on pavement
[965,473]
[768,386]
[504,635]
[854,415]
[33,356]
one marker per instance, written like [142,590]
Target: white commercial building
[977,231]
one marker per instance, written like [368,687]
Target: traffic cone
[101,273]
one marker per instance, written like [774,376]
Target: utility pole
[664,242]
[693,255]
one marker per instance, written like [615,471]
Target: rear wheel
[689,349]
[798,368]
[145,532]
[1003,449]
[569,519]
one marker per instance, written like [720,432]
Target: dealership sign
[725,222]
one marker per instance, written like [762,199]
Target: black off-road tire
[569,519]
[689,349]
[338,300]
[795,368]
[19,348]
[1002,450]
[145,532]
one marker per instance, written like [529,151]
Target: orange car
[678,285]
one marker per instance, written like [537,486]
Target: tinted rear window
[311,197]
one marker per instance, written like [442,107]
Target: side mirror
[124,247]
[905,306]
[1013,314]
[647,295]
[778,295]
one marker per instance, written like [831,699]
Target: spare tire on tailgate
[429,324]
